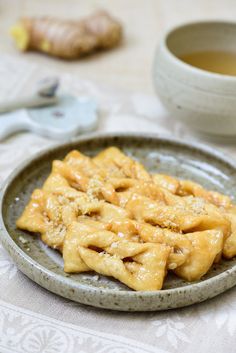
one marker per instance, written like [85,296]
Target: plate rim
[17,254]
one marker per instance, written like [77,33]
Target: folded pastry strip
[179,243]
[125,188]
[73,262]
[206,246]
[117,164]
[218,204]
[53,208]
[84,164]
[167,182]
[44,215]
[188,187]
[94,185]
[176,217]
[139,266]
[32,218]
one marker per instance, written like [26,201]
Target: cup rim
[186,66]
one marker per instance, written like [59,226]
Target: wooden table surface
[144,21]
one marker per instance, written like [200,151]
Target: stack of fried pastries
[109,215]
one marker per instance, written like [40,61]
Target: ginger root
[67,39]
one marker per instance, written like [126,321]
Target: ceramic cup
[203,100]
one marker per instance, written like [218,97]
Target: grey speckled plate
[158,154]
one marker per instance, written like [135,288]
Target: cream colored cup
[203,100]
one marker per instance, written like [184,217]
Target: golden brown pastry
[108,214]
[139,266]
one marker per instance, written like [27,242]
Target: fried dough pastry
[139,266]
[45,215]
[179,217]
[108,214]
[118,164]
[206,246]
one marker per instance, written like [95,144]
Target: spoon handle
[27,102]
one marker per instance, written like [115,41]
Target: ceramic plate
[158,154]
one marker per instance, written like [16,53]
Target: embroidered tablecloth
[33,320]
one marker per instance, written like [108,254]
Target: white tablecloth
[33,320]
